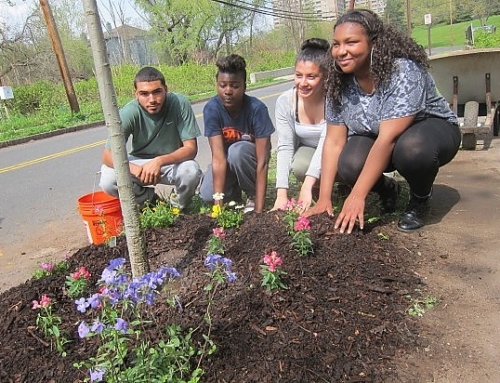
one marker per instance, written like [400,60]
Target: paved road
[42,180]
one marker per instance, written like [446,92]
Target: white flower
[218,196]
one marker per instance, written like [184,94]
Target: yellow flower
[216,210]
[176,211]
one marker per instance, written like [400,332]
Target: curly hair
[232,64]
[389,44]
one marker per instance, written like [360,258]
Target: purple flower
[116,263]
[81,305]
[94,301]
[108,276]
[83,330]
[231,277]
[121,325]
[97,327]
[213,260]
[96,375]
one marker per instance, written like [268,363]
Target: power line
[291,15]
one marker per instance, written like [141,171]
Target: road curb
[52,133]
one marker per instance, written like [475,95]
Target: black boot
[416,211]
[389,196]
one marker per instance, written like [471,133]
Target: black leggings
[419,152]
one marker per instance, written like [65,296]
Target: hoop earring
[336,68]
[371,57]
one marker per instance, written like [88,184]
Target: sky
[15,16]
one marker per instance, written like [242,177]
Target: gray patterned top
[410,91]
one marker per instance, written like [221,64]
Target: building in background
[377,6]
[326,10]
[127,44]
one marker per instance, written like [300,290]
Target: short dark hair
[232,64]
[148,74]
[315,50]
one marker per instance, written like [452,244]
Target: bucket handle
[95,185]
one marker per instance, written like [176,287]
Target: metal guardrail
[259,76]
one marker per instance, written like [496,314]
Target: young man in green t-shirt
[163,144]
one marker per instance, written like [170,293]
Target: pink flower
[44,302]
[290,204]
[272,261]
[219,232]
[302,224]
[47,266]
[82,272]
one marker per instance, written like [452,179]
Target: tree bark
[135,240]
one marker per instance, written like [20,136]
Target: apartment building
[322,9]
[327,10]
[377,6]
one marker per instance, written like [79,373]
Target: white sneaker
[249,206]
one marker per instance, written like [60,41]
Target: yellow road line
[80,148]
[52,156]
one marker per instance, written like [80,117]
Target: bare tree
[135,240]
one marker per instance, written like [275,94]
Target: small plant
[383,236]
[220,272]
[216,241]
[271,274]
[292,214]
[118,321]
[49,268]
[77,283]
[301,237]
[420,306]
[227,215]
[162,214]
[49,323]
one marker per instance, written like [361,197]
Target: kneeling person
[238,128]
[163,144]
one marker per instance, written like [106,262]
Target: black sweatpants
[419,152]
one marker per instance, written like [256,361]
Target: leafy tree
[178,25]
[395,13]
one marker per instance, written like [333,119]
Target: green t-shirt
[157,134]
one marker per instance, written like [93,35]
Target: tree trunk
[135,240]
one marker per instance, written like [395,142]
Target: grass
[443,35]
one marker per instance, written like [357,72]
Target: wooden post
[408,17]
[351,4]
[61,59]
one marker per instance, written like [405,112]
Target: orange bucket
[102,215]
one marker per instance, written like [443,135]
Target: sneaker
[389,198]
[416,211]
[249,205]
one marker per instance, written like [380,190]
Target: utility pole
[451,21]
[408,17]
[61,59]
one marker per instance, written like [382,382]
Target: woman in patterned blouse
[383,113]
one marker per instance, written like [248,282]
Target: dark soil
[342,318]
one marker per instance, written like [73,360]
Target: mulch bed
[342,318]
